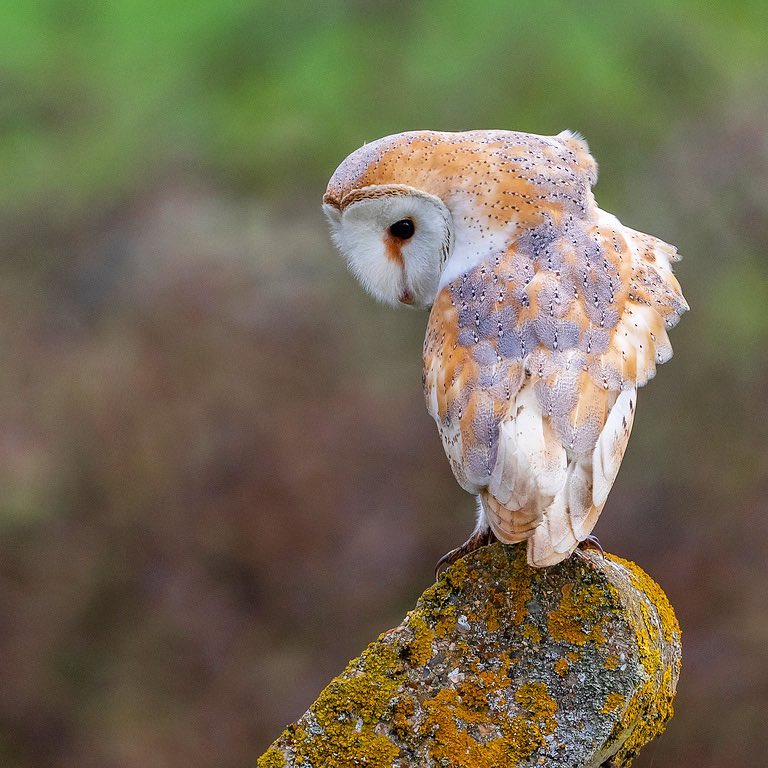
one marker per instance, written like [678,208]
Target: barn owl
[547,314]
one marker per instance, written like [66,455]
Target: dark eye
[403,229]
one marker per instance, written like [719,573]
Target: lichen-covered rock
[503,665]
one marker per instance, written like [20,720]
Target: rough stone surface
[503,665]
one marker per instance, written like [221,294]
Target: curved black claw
[475,541]
[592,542]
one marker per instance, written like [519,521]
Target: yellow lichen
[650,650]
[522,738]
[435,605]
[446,624]
[612,662]
[339,746]
[452,744]
[346,713]
[612,702]
[464,730]
[420,647]
[651,706]
[526,732]
[271,759]
[643,582]
[531,632]
[492,623]
[451,580]
[453,717]
[403,710]
[562,666]
[496,601]
[577,619]
[535,698]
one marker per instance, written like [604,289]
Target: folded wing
[532,364]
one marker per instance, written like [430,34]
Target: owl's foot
[592,542]
[475,541]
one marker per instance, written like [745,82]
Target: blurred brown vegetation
[219,479]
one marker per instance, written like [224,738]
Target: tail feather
[574,511]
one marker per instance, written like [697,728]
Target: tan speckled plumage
[549,313]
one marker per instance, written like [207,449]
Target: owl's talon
[592,542]
[475,541]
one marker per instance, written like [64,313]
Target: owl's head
[413,210]
[395,238]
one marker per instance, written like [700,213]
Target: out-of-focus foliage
[97,94]
[219,480]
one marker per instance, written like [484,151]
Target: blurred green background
[219,481]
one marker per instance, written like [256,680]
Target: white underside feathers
[531,462]
[540,493]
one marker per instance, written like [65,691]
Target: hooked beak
[406,297]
